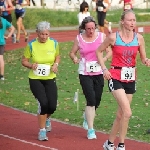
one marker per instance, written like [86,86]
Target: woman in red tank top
[122,86]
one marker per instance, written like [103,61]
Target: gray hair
[43,25]
[87,20]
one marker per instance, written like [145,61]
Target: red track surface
[18,130]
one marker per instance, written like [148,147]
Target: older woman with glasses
[90,72]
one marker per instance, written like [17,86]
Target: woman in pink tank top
[126,44]
[90,72]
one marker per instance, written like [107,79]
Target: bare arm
[11,6]
[142,51]
[11,31]
[73,51]
[25,62]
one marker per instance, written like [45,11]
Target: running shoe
[91,134]
[26,37]
[108,147]
[48,125]
[85,124]
[2,77]
[120,148]
[42,136]
[14,38]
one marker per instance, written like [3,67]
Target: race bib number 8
[127,73]
[93,66]
[42,70]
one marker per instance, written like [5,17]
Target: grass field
[15,92]
[59,18]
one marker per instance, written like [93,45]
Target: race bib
[127,73]
[93,66]
[127,6]
[18,6]
[42,70]
[100,8]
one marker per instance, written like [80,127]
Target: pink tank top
[87,52]
[124,55]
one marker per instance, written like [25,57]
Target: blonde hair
[123,16]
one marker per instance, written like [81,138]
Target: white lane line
[23,141]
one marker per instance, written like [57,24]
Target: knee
[51,110]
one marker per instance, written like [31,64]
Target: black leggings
[45,91]
[101,17]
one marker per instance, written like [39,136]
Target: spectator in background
[128,4]
[102,7]
[93,3]
[4,25]
[20,13]
[6,7]
[83,13]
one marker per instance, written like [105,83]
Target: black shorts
[2,49]
[21,14]
[8,18]
[101,16]
[92,87]
[129,87]
[45,92]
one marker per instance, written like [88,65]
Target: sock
[121,145]
[110,143]
[42,129]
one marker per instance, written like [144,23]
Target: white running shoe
[120,148]
[108,147]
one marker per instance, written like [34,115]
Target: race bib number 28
[42,70]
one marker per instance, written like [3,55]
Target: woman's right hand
[75,60]
[107,75]
[34,66]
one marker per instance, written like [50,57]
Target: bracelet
[104,70]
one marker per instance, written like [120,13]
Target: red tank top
[124,55]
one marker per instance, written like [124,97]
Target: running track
[18,129]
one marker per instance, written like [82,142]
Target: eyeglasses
[90,29]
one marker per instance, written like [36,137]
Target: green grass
[59,18]
[15,92]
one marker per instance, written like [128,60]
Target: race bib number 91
[127,73]
[42,70]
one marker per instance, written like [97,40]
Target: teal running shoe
[91,134]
